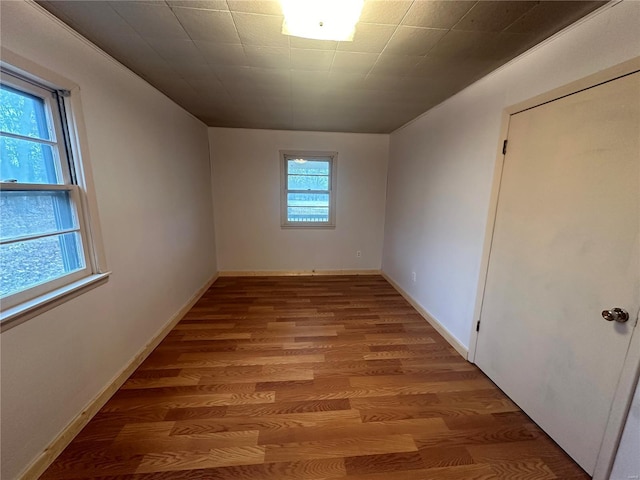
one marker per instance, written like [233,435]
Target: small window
[44,243]
[308,189]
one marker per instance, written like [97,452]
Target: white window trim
[333,162]
[96,272]
[12,317]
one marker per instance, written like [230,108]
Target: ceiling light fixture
[300,160]
[321,19]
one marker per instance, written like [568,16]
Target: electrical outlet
[413,277]
[358,253]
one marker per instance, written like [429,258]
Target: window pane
[307,207]
[27,161]
[310,167]
[29,213]
[22,114]
[305,182]
[307,214]
[27,264]
[308,199]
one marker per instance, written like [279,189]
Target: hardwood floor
[309,378]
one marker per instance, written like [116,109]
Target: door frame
[631,368]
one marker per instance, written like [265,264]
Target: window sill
[308,226]
[21,313]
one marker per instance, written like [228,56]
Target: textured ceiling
[228,63]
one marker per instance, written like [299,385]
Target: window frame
[332,158]
[37,290]
[66,130]
[54,122]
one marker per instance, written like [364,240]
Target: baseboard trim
[293,273]
[55,448]
[453,341]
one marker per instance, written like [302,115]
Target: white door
[565,248]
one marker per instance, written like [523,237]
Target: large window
[43,233]
[308,189]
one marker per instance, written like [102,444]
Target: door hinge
[478,326]
[504,147]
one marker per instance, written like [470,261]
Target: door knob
[617,314]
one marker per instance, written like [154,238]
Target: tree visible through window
[308,189]
[41,239]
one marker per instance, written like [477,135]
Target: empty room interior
[301,239]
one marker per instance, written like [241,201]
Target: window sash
[41,120]
[330,159]
[11,300]
[311,192]
[74,198]
[27,138]
[63,171]
[53,119]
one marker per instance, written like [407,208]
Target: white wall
[627,464]
[151,170]
[246,186]
[441,165]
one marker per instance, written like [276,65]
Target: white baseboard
[453,341]
[46,458]
[292,273]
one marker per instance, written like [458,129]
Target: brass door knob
[615,314]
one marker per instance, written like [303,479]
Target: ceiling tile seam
[143,38]
[251,67]
[291,112]
[235,26]
[240,80]
[228,93]
[254,14]
[72,31]
[186,7]
[501,31]
[436,44]
[76,33]
[333,59]
[291,70]
[536,47]
[449,30]
[292,115]
[464,16]
[520,17]
[204,57]
[387,44]
[548,40]
[136,30]
[262,95]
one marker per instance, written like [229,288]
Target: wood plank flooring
[309,378]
